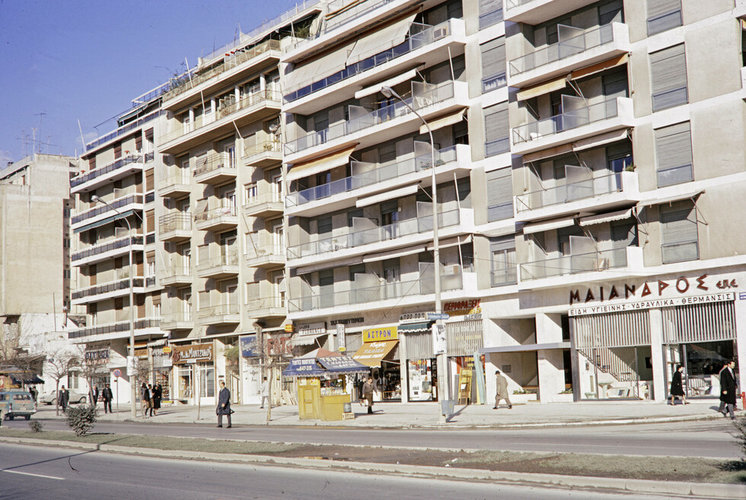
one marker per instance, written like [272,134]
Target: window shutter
[668,71]
[663,15]
[496,129]
[490,12]
[679,232]
[499,195]
[493,57]
[673,151]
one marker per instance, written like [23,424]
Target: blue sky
[69,60]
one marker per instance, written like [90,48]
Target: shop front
[465,341]
[194,373]
[162,366]
[96,366]
[421,367]
[380,353]
[250,369]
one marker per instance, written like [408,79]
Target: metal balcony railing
[218,310]
[174,222]
[123,130]
[118,327]
[570,191]
[228,257]
[265,303]
[502,277]
[593,37]
[341,12]
[213,163]
[255,148]
[566,121]
[106,247]
[181,177]
[430,95]
[214,214]
[272,197]
[113,286]
[387,171]
[131,199]
[111,167]
[180,317]
[574,264]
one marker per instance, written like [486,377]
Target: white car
[50,397]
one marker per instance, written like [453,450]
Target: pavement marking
[35,475]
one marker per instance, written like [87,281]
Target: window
[117,151]
[503,261]
[673,152]
[250,193]
[663,15]
[623,234]
[496,129]
[679,242]
[493,64]
[499,195]
[668,72]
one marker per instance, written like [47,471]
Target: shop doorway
[422,377]
[702,362]
[615,372]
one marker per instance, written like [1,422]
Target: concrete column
[740,306]
[550,363]
[657,359]
[262,81]
[403,369]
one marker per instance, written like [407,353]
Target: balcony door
[391,278]
[276,187]
[278,238]
[186,304]
[229,155]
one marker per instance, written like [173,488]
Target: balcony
[425,45]
[213,126]
[266,307]
[217,219]
[504,277]
[118,288]
[124,129]
[215,169]
[595,194]
[262,154]
[267,257]
[378,178]
[102,214]
[220,314]
[223,265]
[175,227]
[176,186]
[594,266]
[118,330]
[107,250]
[264,205]
[537,11]
[399,234]
[368,128]
[118,169]
[177,321]
[580,49]
[579,121]
[178,273]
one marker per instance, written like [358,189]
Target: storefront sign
[341,340]
[380,334]
[249,346]
[346,321]
[418,316]
[312,329]
[192,353]
[462,307]
[97,356]
[464,337]
[161,359]
[279,345]
[440,341]
[289,328]
[652,304]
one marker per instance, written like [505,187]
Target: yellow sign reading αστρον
[381,333]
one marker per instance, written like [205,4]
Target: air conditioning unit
[439,33]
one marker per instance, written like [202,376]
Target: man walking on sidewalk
[107,396]
[368,387]
[224,405]
[264,392]
[728,390]
[502,390]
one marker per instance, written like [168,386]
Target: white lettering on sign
[652,304]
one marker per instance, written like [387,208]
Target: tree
[60,364]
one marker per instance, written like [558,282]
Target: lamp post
[131,359]
[443,387]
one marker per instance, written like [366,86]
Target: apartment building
[114,251]
[587,155]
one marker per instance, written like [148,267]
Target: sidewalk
[427,415]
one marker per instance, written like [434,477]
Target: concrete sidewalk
[427,415]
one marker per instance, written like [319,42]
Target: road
[42,473]
[712,439]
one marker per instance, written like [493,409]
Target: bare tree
[60,363]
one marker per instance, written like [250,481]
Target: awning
[445,121]
[603,218]
[540,227]
[581,145]
[598,67]
[674,197]
[374,89]
[526,347]
[305,339]
[26,378]
[451,242]
[105,221]
[371,353]
[392,254]
[318,165]
[544,88]
[303,367]
[342,364]
[387,195]
[317,69]
[420,327]
[381,39]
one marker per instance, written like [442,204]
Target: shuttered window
[499,195]
[668,72]
[496,129]
[673,151]
[663,15]
[493,64]
[504,269]
[679,232]
[490,12]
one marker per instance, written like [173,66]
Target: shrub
[740,425]
[81,419]
[35,425]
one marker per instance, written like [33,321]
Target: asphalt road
[42,473]
[711,438]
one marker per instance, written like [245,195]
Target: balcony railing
[384,291]
[215,213]
[273,197]
[424,95]
[255,148]
[122,130]
[174,222]
[590,38]
[185,82]
[218,310]
[108,287]
[570,191]
[383,173]
[264,304]
[574,264]
[119,327]
[131,199]
[227,257]
[116,165]
[502,277]
[512,4]
[419,36]
[178,178]
[566,121]
[179,317]
[342,12]
[213,163]
[106,247]
[388,232]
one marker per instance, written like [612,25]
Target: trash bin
[447,407]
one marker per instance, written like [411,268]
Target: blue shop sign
[249,346]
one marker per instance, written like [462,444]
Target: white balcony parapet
[117,288]
[120,328]
[537,11]
[116,208]
[222,216]
[105,250]
[115,170]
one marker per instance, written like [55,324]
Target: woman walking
[677,387]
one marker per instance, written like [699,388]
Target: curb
[639,486]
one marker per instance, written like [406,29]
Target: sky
[64,61]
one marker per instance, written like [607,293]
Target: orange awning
[598,67]
[371,353]
[318,165]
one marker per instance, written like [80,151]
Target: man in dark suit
[224,405]
[728,390]
[63,398]
[107,396]
[94,395]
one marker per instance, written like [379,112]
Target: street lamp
[131,358]
[388,92]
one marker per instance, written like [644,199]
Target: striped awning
[421,327]
[105,221]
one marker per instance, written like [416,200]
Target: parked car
[16,403]
[50,398]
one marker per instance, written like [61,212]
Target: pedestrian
[677,388]
[368,388]
[502,390]
[63,398]
[107,396]
[224,405]
[145,398]
[728,390]
[93,395]
[151,399]
[264,392]
[157,396]
[33,393]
